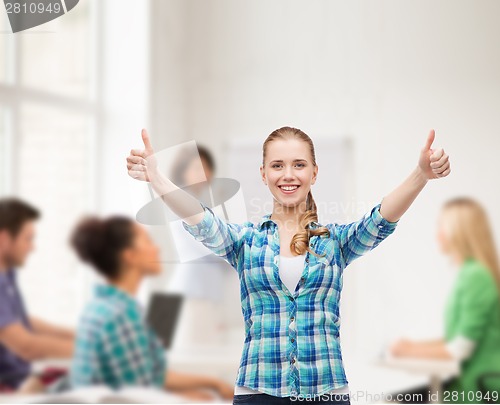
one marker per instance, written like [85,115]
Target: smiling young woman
[292,338]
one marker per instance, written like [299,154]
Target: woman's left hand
[401,348]
[225,390]
[434,163]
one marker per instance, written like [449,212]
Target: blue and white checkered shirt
[114,345]
[291,345]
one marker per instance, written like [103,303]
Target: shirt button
[292,318]
[293,361]
[293,340]
[302,279]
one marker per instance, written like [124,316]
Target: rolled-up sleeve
[460,347]
[223,239]
[200,229]
[359,237]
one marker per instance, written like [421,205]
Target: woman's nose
[289,173]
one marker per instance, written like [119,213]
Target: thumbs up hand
[141,163]
[433,163]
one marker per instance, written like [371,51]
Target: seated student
[114,345]
[22,338]
[472,313]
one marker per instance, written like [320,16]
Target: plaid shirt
[291,345]
[114,346]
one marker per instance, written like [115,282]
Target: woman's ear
[127,256]
[263,174]
[315,174]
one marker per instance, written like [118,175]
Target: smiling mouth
[288,189]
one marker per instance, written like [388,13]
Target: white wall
[383,73]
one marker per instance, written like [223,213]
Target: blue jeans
[265,399]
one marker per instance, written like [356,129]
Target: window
[48,129]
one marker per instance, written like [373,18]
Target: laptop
[163,315]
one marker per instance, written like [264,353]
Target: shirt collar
[267,218]
[110,291]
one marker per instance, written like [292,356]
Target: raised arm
[433,164]
[357,238]
[223,239]
[142,165]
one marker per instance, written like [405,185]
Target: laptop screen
[163,314]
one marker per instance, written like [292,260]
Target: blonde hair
[467,229]
[300,241]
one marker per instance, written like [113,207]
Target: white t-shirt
[291,269]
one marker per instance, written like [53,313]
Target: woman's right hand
[141,163]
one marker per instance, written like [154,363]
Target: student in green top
[472,314]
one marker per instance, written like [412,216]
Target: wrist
[154,174]
[158,182]
[213,383]
[420,175]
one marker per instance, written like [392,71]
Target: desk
[218,361]
[369,382]
[191,360]
[369,379]
[100,394]
[436,370]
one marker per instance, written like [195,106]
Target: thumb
[430,139]
[147,142]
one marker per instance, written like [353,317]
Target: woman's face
[289,163]
[144,254]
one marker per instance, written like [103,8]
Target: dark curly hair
[99,242]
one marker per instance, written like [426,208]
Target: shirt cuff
[7,320]
[200,229]
[460,347]
[380,221]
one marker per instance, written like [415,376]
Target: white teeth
[288,188]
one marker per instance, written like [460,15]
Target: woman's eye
[298,164]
